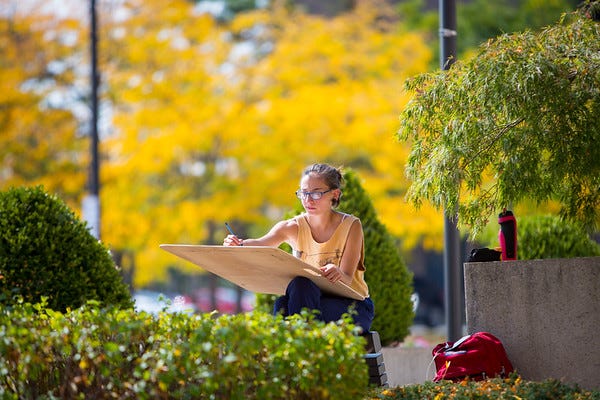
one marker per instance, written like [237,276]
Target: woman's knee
[365,314]
[301,283]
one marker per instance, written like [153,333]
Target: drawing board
[257,269]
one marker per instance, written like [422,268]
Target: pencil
[229,229]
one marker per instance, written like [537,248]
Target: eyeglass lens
[313,195]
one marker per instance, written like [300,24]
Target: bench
[374,359]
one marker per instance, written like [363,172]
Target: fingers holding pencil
[232,239]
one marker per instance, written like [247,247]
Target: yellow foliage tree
[328,92]
[39,138]
[214,122]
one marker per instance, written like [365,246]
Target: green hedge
[46,251]
[100,353]
[546,236]
[549,237]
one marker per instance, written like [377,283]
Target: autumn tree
[162,162]
[205,120]
[40,138]
[213,121]
[517,122]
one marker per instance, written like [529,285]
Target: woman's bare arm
[283,231]
[350,258]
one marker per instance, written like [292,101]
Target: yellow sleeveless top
[321,254]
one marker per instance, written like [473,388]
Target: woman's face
[314,183]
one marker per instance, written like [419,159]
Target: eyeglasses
[313,195]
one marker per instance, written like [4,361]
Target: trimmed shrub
[389,280]
[119,353]
[549,237]
[45,250]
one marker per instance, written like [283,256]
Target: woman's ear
[335,201]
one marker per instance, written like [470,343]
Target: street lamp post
[452,265]
[91,202]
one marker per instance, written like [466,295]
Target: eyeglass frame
[302,195]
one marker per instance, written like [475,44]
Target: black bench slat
[373,342]
[381,380]
[374,360]
[376,370]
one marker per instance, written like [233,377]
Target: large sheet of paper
[257,269]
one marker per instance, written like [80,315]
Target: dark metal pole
[452,263]
[447,33]
[91,202]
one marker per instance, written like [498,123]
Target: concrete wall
[545,312]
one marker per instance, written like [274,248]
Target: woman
[330,240]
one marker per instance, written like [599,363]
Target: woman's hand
[232,240]
[332,273]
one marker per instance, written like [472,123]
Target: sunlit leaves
[523,113]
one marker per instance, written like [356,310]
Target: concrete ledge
[407,365]
[545,312]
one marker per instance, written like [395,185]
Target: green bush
[389,280]
[550,237]
[546,236]
[117,353]
[492,389]
[45,250]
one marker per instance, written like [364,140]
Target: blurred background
[207,111]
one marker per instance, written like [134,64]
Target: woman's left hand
[331,272]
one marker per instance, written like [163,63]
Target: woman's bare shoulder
[288,225]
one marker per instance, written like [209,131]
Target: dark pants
[302,293]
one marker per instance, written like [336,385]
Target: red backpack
[478,356]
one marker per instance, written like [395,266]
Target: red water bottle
[508,235]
